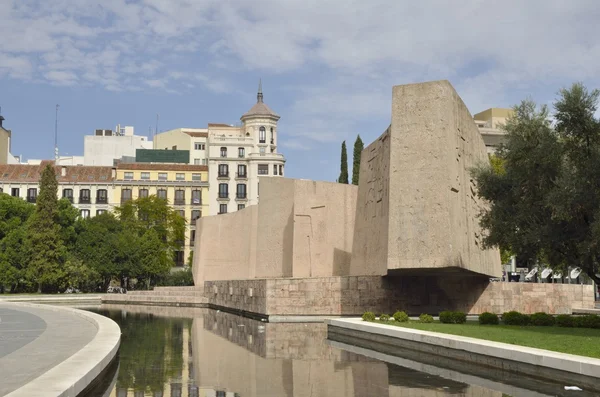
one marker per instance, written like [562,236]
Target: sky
[327,66]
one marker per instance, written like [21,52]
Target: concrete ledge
[580,310]
[156,300]
[537,363]
[78,372]
[64,298]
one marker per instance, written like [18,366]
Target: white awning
[575,272]
[532,273]
[546,272]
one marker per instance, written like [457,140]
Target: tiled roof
[260,109]
[74,173]
[196,134]
[161,167]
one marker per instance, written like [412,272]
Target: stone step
[156,300]
[167,293]
[190,288]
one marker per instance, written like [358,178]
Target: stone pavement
[35,339]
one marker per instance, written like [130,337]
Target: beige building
[489,123]
[236,155]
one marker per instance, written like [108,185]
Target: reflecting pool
[184,352]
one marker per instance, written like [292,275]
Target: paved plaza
[35,339]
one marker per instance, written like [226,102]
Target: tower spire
[259,96]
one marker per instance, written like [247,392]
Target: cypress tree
[46,249]
[344,165]
[358,148]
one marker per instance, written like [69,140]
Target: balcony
[239,175]
[196,201]
[223,196]
[223,175]
[241,196]
[31,199]
[262,141]
[101,200]
[84,200]
[179,202]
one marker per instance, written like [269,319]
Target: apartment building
[237,156]
[106,146]
[90,189]
[184,186]
[489,123]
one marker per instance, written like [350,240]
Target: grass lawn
[580,341]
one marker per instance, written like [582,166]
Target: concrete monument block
[417,205]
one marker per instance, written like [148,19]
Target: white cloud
[61,77]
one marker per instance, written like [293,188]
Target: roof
[260,109]
[196,134]
[161,167]
[220,125]
[74,173]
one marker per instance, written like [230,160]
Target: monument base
[354,295]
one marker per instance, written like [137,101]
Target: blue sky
[327,65]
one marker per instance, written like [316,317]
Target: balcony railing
[223,195]
[179,201]
[240,175]
[31,199]
[223,175]
[101,200]
[84,200]
[241,196]
[262,141]
[196,201]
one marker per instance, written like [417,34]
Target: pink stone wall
[353,295]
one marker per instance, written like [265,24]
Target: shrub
[384,317]
[542,319]
[488,318]
[564,320]
[401,317]
[587,321]
[179,278]
[515,318]
[368,316]
[448,317]
[425,318]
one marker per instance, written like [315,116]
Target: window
[192,238]
[223,190]
[100,212]
[84,196]
[241,191]
[241,206]
[162,176]
[179,197]
[129,175]
[195,215]
[143,193]
[281,170]
[14,192]
[179,258]
[199,146]
[32,195]
[241,172]
[125,195]
[262,135]
[145,175]
[180,177]
[223,170]
[101,196]
[196,161]
[223,152]
[261,151]
[263,169]
[181,213]
[203,161]
[272,138]
[241,152]
[197,177]
[161,194]
[196,197]
[67,194]
[274,169]
[84,214]
[222,208]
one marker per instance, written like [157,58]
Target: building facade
[192,139]
[106,146]
[184,186]
[489,123]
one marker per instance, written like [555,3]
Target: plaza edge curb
[73,375]
[581,365]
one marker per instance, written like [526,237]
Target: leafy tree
[358,148]
[546,204]
[344,165]
[67,216]
[46,249]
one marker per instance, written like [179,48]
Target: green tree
[66,217]
[46,249]
[546,204]
[358,148]
[344,165]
